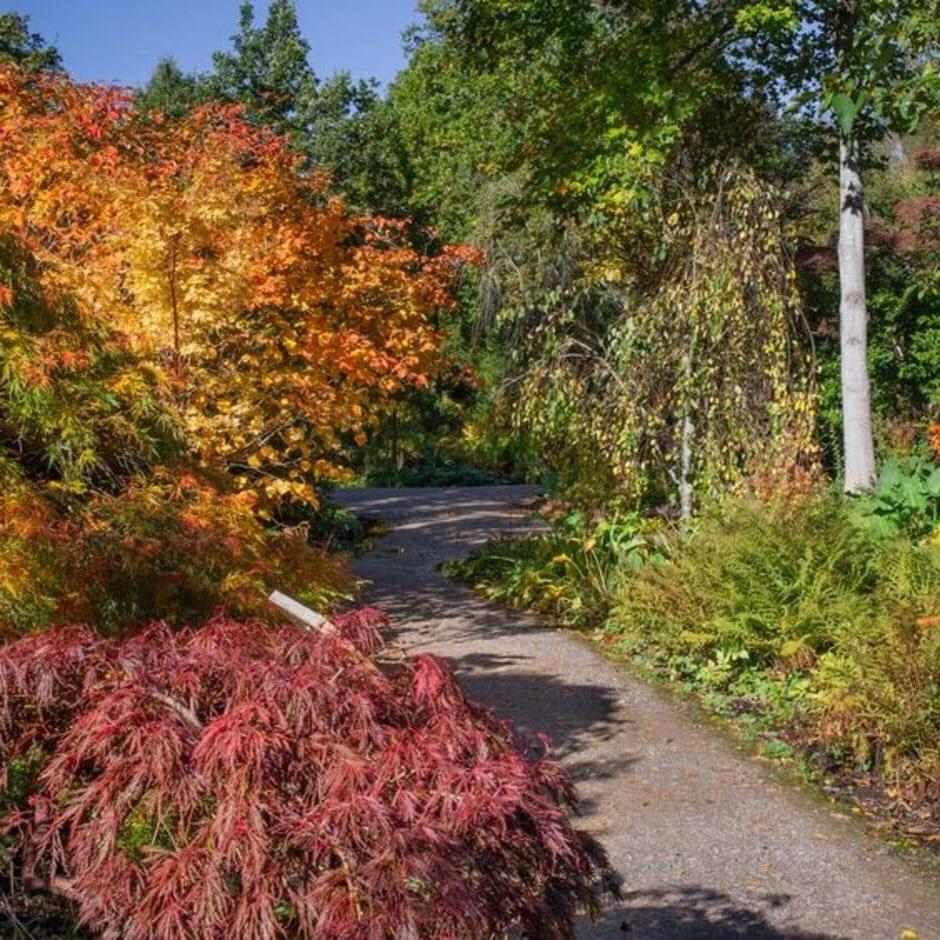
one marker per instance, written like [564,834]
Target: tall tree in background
[856,72]
[24,47]
[268,70]
[339,124]
[602,123]
[884,79]
[858,440]
[171,91]
[872,67]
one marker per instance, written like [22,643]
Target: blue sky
[121,40]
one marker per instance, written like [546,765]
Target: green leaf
[846,109]
[881,527]
[891,474]
[932,483]
[912,494]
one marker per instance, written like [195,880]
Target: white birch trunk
[685,456]
[859,447]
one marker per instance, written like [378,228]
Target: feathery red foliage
[247,781]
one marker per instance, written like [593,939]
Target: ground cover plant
[570,571]
[257,781]
[906,498]
[821,632]
[811,629]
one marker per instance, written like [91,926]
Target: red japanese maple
[256,782]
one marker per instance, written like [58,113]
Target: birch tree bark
[853,324]
[685,457]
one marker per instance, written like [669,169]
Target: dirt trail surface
[708,841]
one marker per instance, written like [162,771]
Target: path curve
[710,844]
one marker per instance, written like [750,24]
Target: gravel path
[709,842]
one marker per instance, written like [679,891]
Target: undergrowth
[429,473]
[570,572]
[811,627]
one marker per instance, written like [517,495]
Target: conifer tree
[268,69]
[26,48]
[171,91]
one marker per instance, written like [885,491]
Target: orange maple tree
[282,323]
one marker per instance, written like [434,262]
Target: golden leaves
[705,374]
[281,324]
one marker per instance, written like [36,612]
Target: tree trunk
[685,480]
[853,324]
[685,456]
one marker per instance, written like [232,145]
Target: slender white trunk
[853,325]
[685,480]
[685,456]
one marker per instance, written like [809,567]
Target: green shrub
[823,629]
[877,694]
[754,588]
[906,499]
[572,572]
[440,472]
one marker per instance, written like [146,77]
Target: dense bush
[105,516]
[279,323]
[261,782]
[749,584]
[811,620]
[175,545]
[808,623]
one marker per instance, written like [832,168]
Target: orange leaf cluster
[171,545]
[282,323]
[933,438]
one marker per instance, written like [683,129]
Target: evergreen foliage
[25,48]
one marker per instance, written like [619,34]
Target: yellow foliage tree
[282,323]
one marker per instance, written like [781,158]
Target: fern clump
[826,627]
[778,588]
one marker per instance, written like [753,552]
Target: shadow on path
[687,912]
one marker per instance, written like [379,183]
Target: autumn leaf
[280,323]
